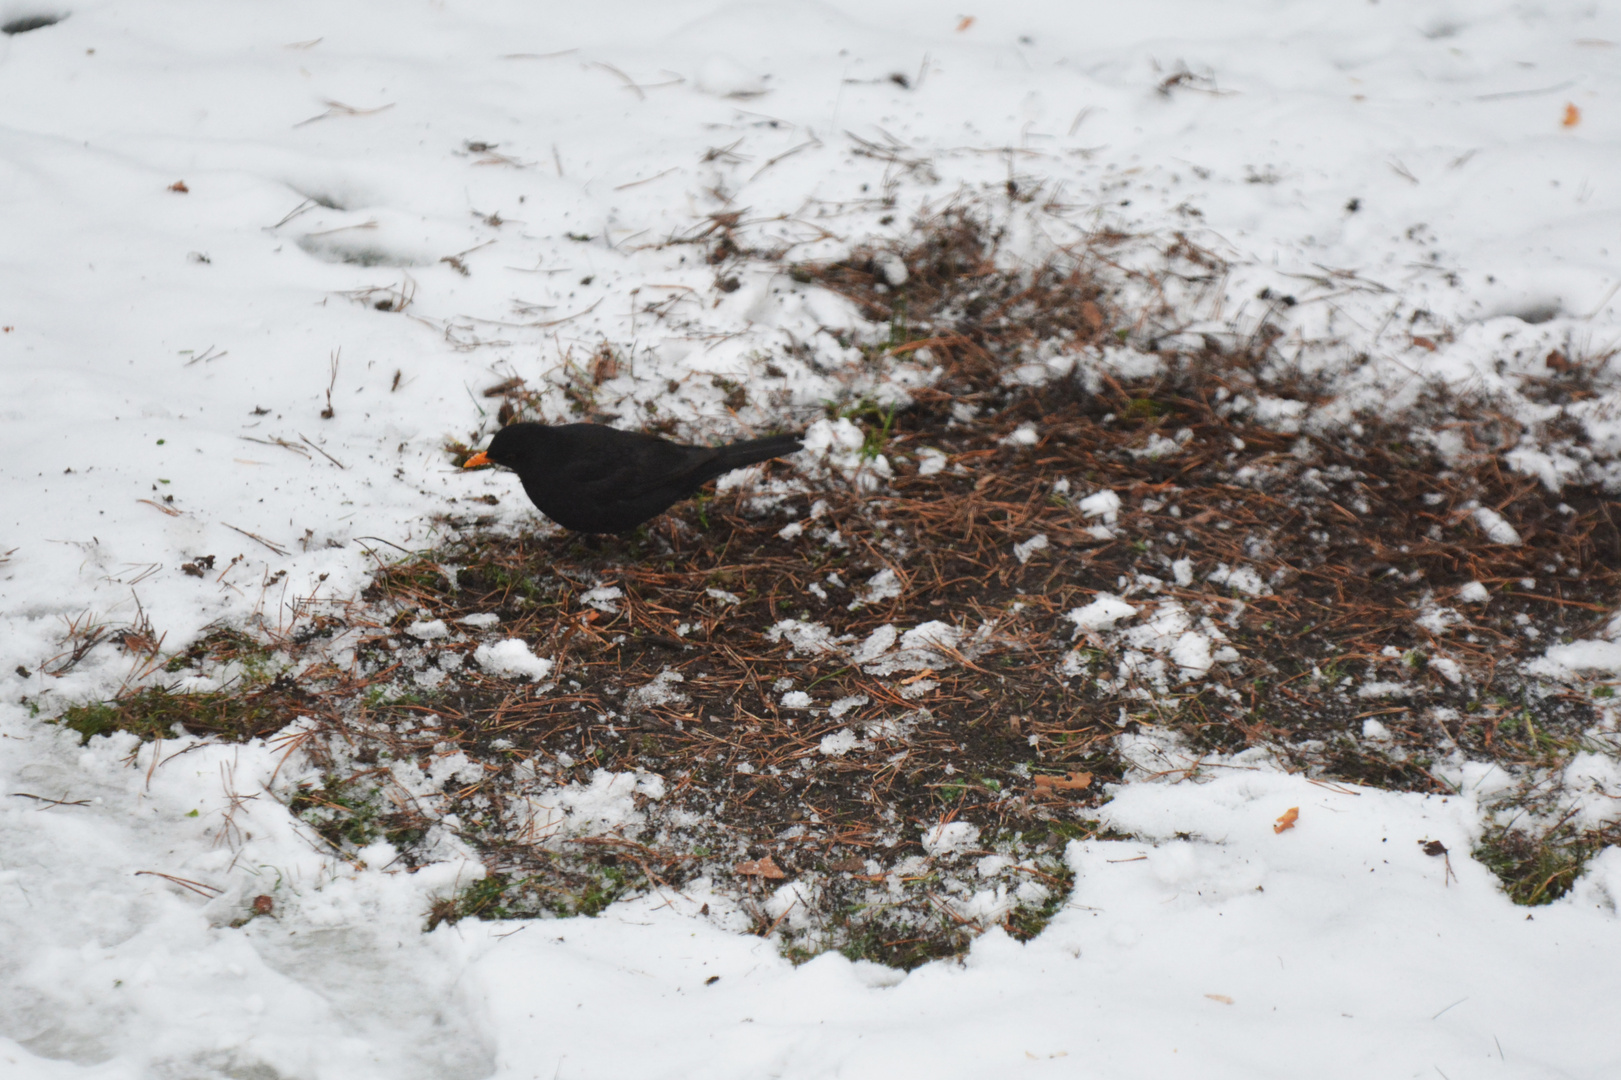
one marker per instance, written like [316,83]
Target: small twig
[52,802]
[255,536]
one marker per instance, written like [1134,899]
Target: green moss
[155,713]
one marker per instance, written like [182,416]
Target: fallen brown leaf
[1287,821]
[1573,116]
[764,868]
[1049,785]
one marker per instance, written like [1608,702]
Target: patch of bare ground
[865,707]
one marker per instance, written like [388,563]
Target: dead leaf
[1091,317]
[764,868]
[965,23]
[1287,821]
[1434,847]
[1424,343]
[1556,361]
[1573,116]
[1223,998]
[1050,785]
[179,186]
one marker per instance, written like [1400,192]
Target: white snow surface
[512,657]
[161,344]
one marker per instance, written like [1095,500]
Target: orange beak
[480,458]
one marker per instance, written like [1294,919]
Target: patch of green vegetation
[155,713]
[880,421]
[350,814]
[569,886]
[865,934]
[1024,923]
[1145,408]
[256,660]
[1539,869]
[483,899]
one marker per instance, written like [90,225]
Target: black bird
[597,479]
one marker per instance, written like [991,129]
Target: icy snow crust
[167,355]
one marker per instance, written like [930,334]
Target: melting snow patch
[428,630]
[839,444]
[1183,570]
[661,691]
[1101,614]
[1101,504]
[1438,620]
[1449,669]
[839,743]
[930,461]
[796,699]
[884,585]
[1584,655]
[950,838]
[1245,579]
[1496,528]
[481,620]
[845,704]
[877,643]
[512,657]
[723,596]
[603,598]
[807,638]
[1026,548]
[892,267]
[607,803]
[1474,593]
[1023,435]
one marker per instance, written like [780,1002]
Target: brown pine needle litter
[733,661]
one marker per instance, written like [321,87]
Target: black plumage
[597,479]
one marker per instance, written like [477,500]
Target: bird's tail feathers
[752,451]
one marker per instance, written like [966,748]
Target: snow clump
[512,657]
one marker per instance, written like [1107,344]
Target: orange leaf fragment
[1287,821]
[965,23]
[1424,343]
[1075,781]
[1573,116]
[764,868]
[1223,998]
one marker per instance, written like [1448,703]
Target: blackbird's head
[511,445]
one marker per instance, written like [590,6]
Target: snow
[1026,548]
[1101,504]
[512,657]
[1586,655]
[161,343]
[1102,613]
[1497,530]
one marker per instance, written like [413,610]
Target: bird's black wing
[624,469]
